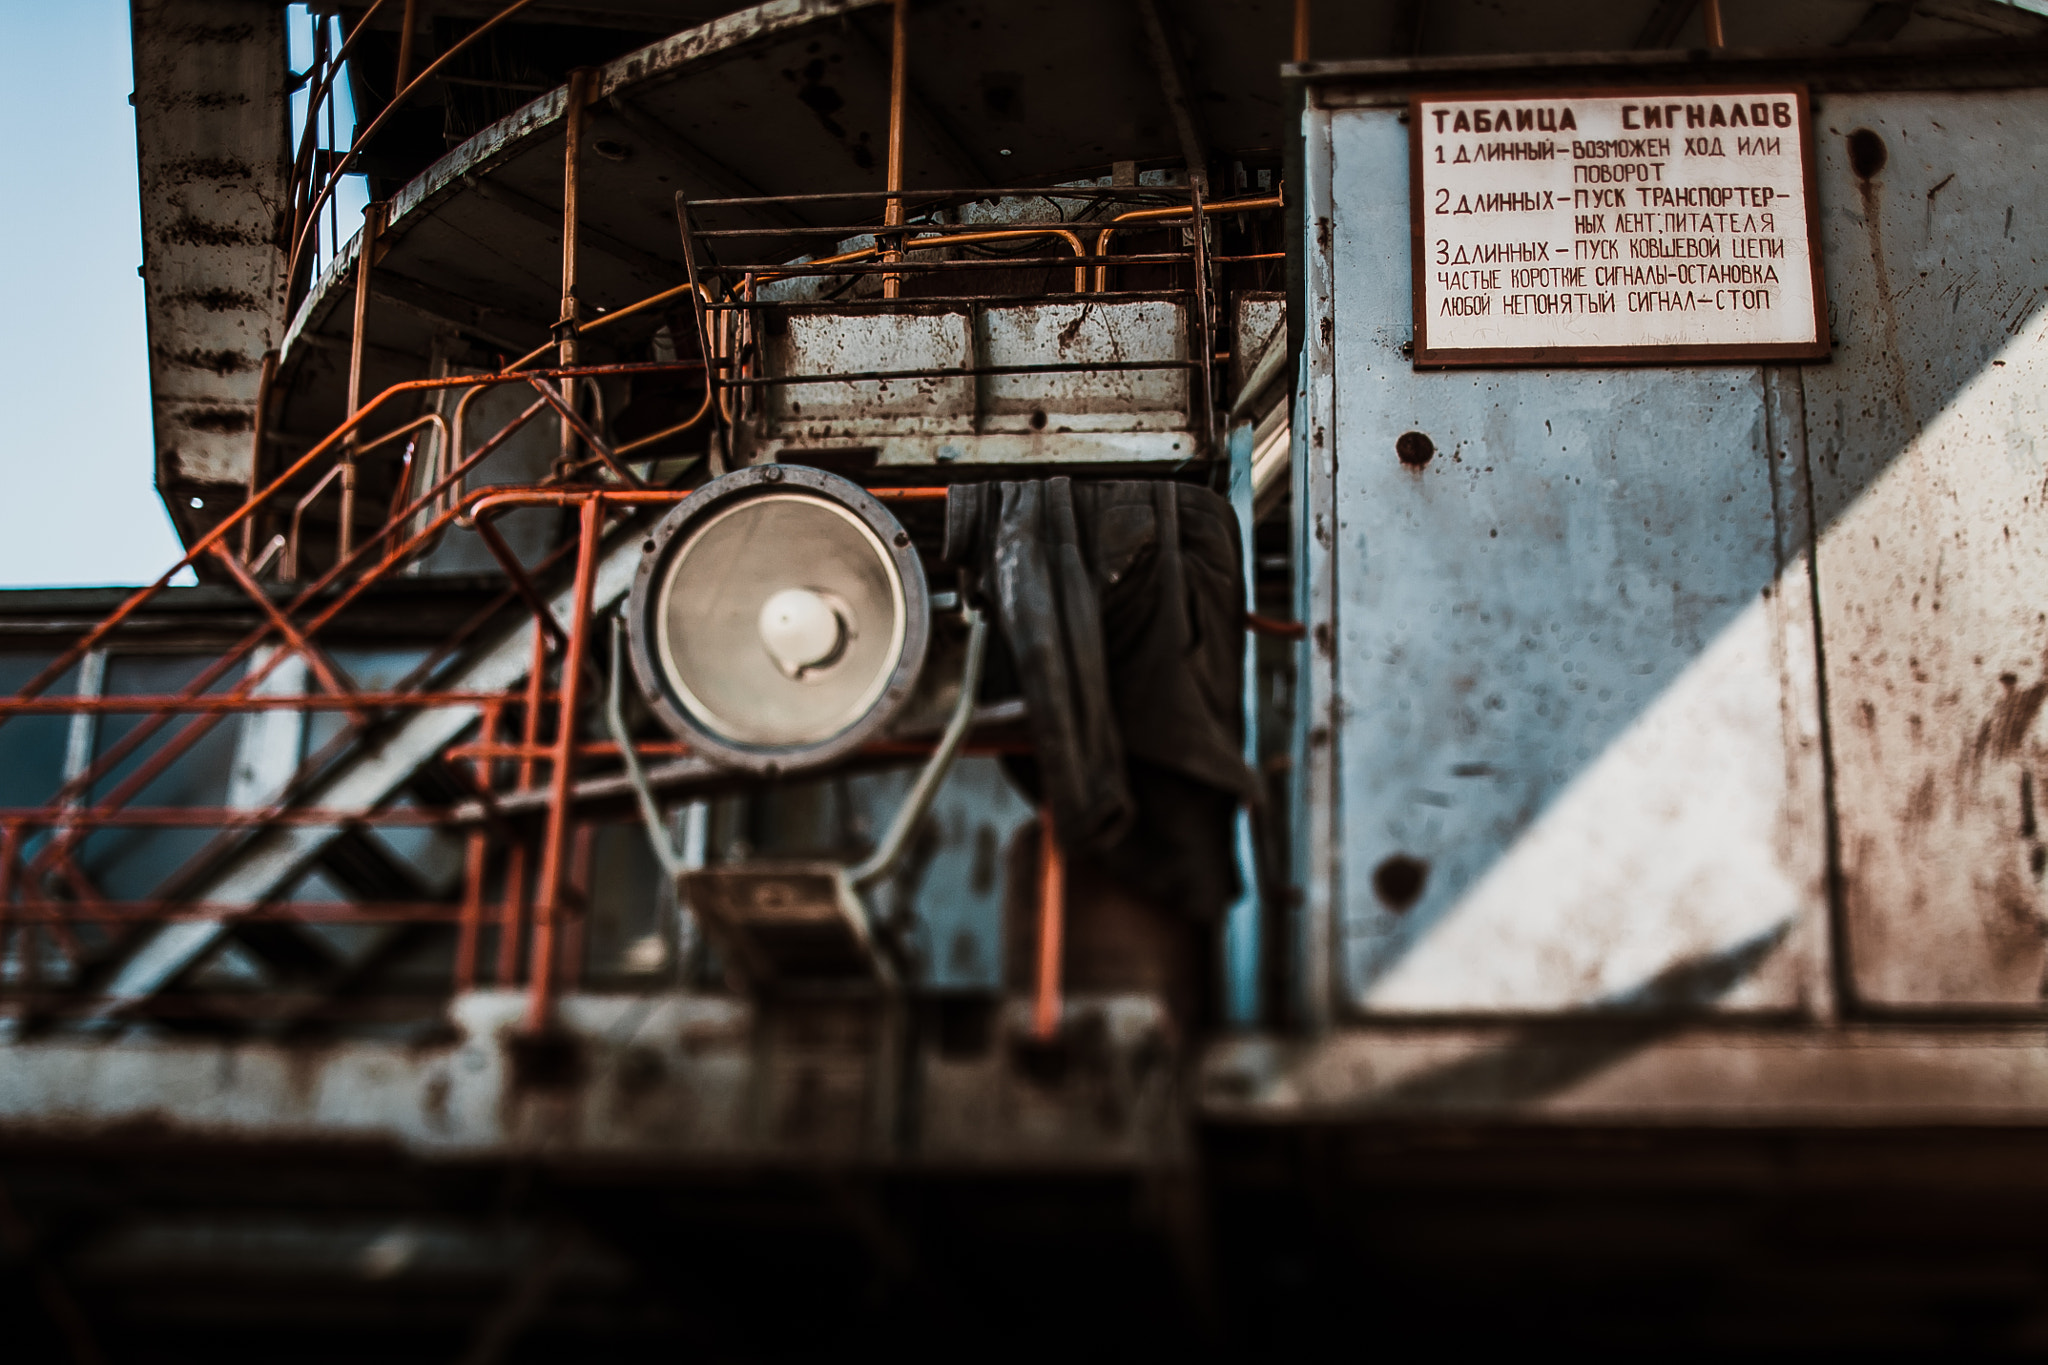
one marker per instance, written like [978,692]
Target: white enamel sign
[1637,225]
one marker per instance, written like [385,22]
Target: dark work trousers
[1122,605]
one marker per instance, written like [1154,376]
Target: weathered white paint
[1563,653]
[1645,218]
[210,134]
[1927,438]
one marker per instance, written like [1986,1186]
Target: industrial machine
[577,754]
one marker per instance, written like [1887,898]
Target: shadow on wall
[1576,662]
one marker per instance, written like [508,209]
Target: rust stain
[219,300]
[2005,730]
[1922,804]
[217,419]
[190,231]
[216,362]
[1867,156]
[207,168]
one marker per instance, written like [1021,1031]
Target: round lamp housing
[779,618]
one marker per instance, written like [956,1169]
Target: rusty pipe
[1052,914]
[899,62]
[366,252]
[315,98]
[1301,17]
[1711,11]
[142,596]
[548,901]
[1116,224]
[291,553]
[1072,239]
[703,410]
[407,23]
[566,323]
[363,136]
[603,320]
[263,383]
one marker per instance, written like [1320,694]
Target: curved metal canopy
[791,97]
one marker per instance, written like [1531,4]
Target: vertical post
[1242,930]
[1712,12]
[1300,31]
[10,849]
[1052,917]
[899,61]
[406,30]
[516,859]
[366,251]
[555,837]
[262,423]
[472,924]
[582,847]
[565,328]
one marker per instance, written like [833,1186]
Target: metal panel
[1086,333]
[828,343]
[1570,751]
[1115,416]
[1927,467]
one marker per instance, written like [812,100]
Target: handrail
[315,98]
[363,135]
[141,596]
[1115,225]
[1073,240]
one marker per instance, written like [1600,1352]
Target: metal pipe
[512,925]
[565,324]
[1300,31]
[573,422]
[363,136]
[1116,224]
[263,382]
[227,703]
[291,554]
[703,411]
[302,163]
[893,256]
[911,814]
[141,597]
[521,584]
[658,841]
[323,668]
[366,251]
[270,552]
[1052,914]
[899,62]
[474,850]
[1711,10]
[407,23]
[548,902]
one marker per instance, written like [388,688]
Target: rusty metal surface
[210,129]
[668,1077]
[1575,772]
[1925,438]
[1121,416]
[1701,1075]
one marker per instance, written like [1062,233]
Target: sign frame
[1502,357]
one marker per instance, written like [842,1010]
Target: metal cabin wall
[1927,448]
[1574,763]
[211,126]
[1570,667]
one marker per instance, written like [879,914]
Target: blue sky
[77,503]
